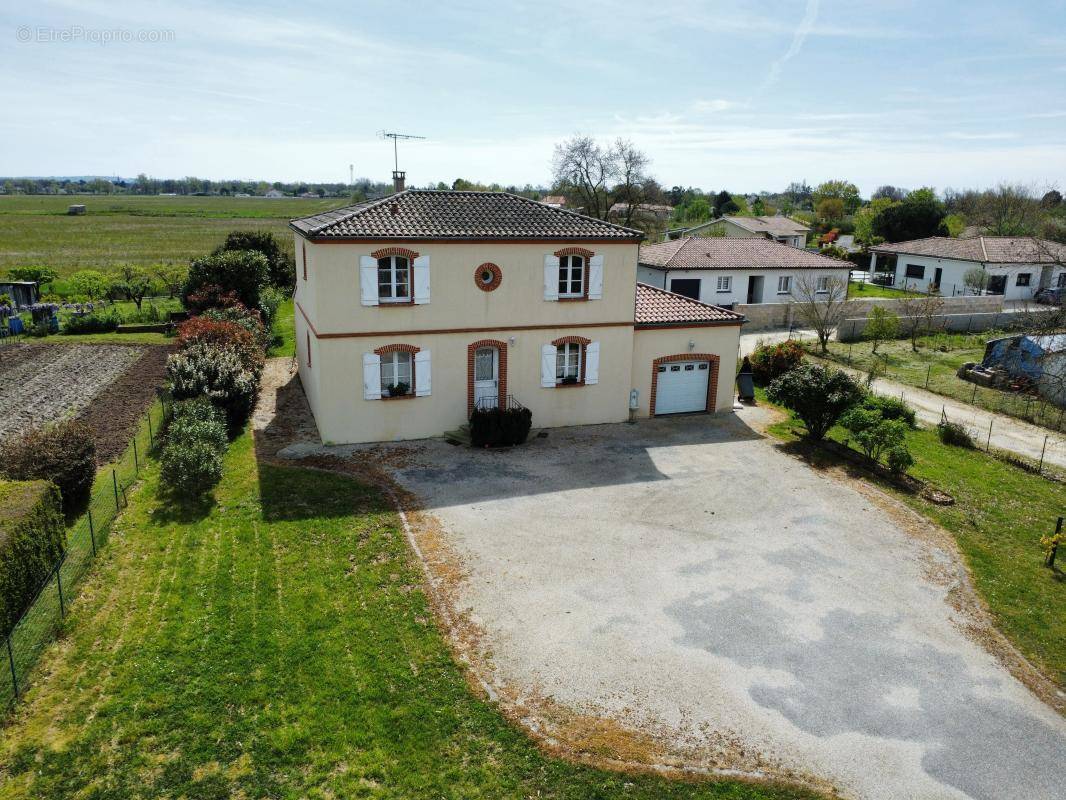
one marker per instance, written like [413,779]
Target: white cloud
[713,106]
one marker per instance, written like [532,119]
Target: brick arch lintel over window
[581,340]
[574,251]
[712,382]
[471,353]
[385,252]
[392,348]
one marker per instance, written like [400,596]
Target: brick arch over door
[471,353]
[712,382]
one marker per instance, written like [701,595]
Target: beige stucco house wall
[651,344]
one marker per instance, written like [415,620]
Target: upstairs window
[571,276]
[394,279]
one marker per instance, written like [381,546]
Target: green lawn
[284,343]
[934,366]
[999,515]
[35,229]
[857,291]
[278,646]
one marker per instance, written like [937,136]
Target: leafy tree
[819,396]
[1051,199]
[281,266]
[976,280]
[883,326]
[132,283]
[42,276]
[830,209]
[89,282]
[171,276]
[758,208]
[693,210]
[724,204]
[954,225]
[889,192]
[845,191]
[864,220]
[873,433]
[918,216]
[243,272]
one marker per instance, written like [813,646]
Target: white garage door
[682,386]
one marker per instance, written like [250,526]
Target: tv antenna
[395,148]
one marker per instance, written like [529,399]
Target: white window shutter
[547,365]
[596,278]
[592,363]
[551,284]
[371,376]
[423,374]
[368,280]
[422,280]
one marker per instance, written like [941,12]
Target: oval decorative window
[487,277]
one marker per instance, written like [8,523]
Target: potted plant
[569,380]
[398,389]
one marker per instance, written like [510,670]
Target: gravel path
[56,381]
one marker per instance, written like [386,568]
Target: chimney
[397,180]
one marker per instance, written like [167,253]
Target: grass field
[934,367]
[857,291]
[36,230]
[999,515]
[280,646]
[284,343]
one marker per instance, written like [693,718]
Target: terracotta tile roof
[775,226]
[697,252]
[655,306]
[988,249]
[431,214]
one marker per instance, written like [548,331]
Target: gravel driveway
[684,578]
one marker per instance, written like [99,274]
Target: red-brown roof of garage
[438,214]
[655,307]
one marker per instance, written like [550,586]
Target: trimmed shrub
[249,319]
[223,333]
[890,408]
[281,269]
[874,434]
[818,396]
[218,374]
[32,538]
[770,361]
[899,459]
[495,427]
[954,433]
[102,322]
[191,461]
[63,453]
[243,272]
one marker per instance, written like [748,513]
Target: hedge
[496,427]
[32,538]
[193,450]
[63,453]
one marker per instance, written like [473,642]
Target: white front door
[486,377]
[682,387]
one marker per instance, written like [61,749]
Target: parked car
[1052,296]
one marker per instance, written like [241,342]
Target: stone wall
[851,330]
[766,316]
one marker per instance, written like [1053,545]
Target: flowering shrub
[771,361]
[210,296]
[191,460]
[223,333]
[244,272]
[218,374]
[63,453]
[247,318]
[103,322]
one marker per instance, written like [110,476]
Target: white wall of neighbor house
[652,343]
[344,415]
[331,293]
[920,271]
[726,287]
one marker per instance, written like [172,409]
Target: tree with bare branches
[821,302]
[918,313]
[598,176]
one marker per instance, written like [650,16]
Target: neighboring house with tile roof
[724,271]
[779,229]
[414,309]
[1016,266]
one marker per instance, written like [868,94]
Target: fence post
[11,662]
[151,439]
[114,482]
[973,398]
[1040,469]
[92,532]
[928,372]
[59,583]
[136,465]
[988,444]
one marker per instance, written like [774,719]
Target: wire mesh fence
[85,537]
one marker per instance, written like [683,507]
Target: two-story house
[413,309]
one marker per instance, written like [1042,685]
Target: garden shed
[1041,359]
[22,293]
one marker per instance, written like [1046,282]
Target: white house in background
[414,309]
[1017,267]
[778,229]
[724,271]
[274,194]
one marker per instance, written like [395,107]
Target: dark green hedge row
[32,538]
[500,428]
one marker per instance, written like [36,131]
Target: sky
[741,95]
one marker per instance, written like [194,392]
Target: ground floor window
[689,287]
[724,284]
[397,374]
[568,363]
[1062,280]
[1023,279]
[784,284]
[823,284]
[915,271]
